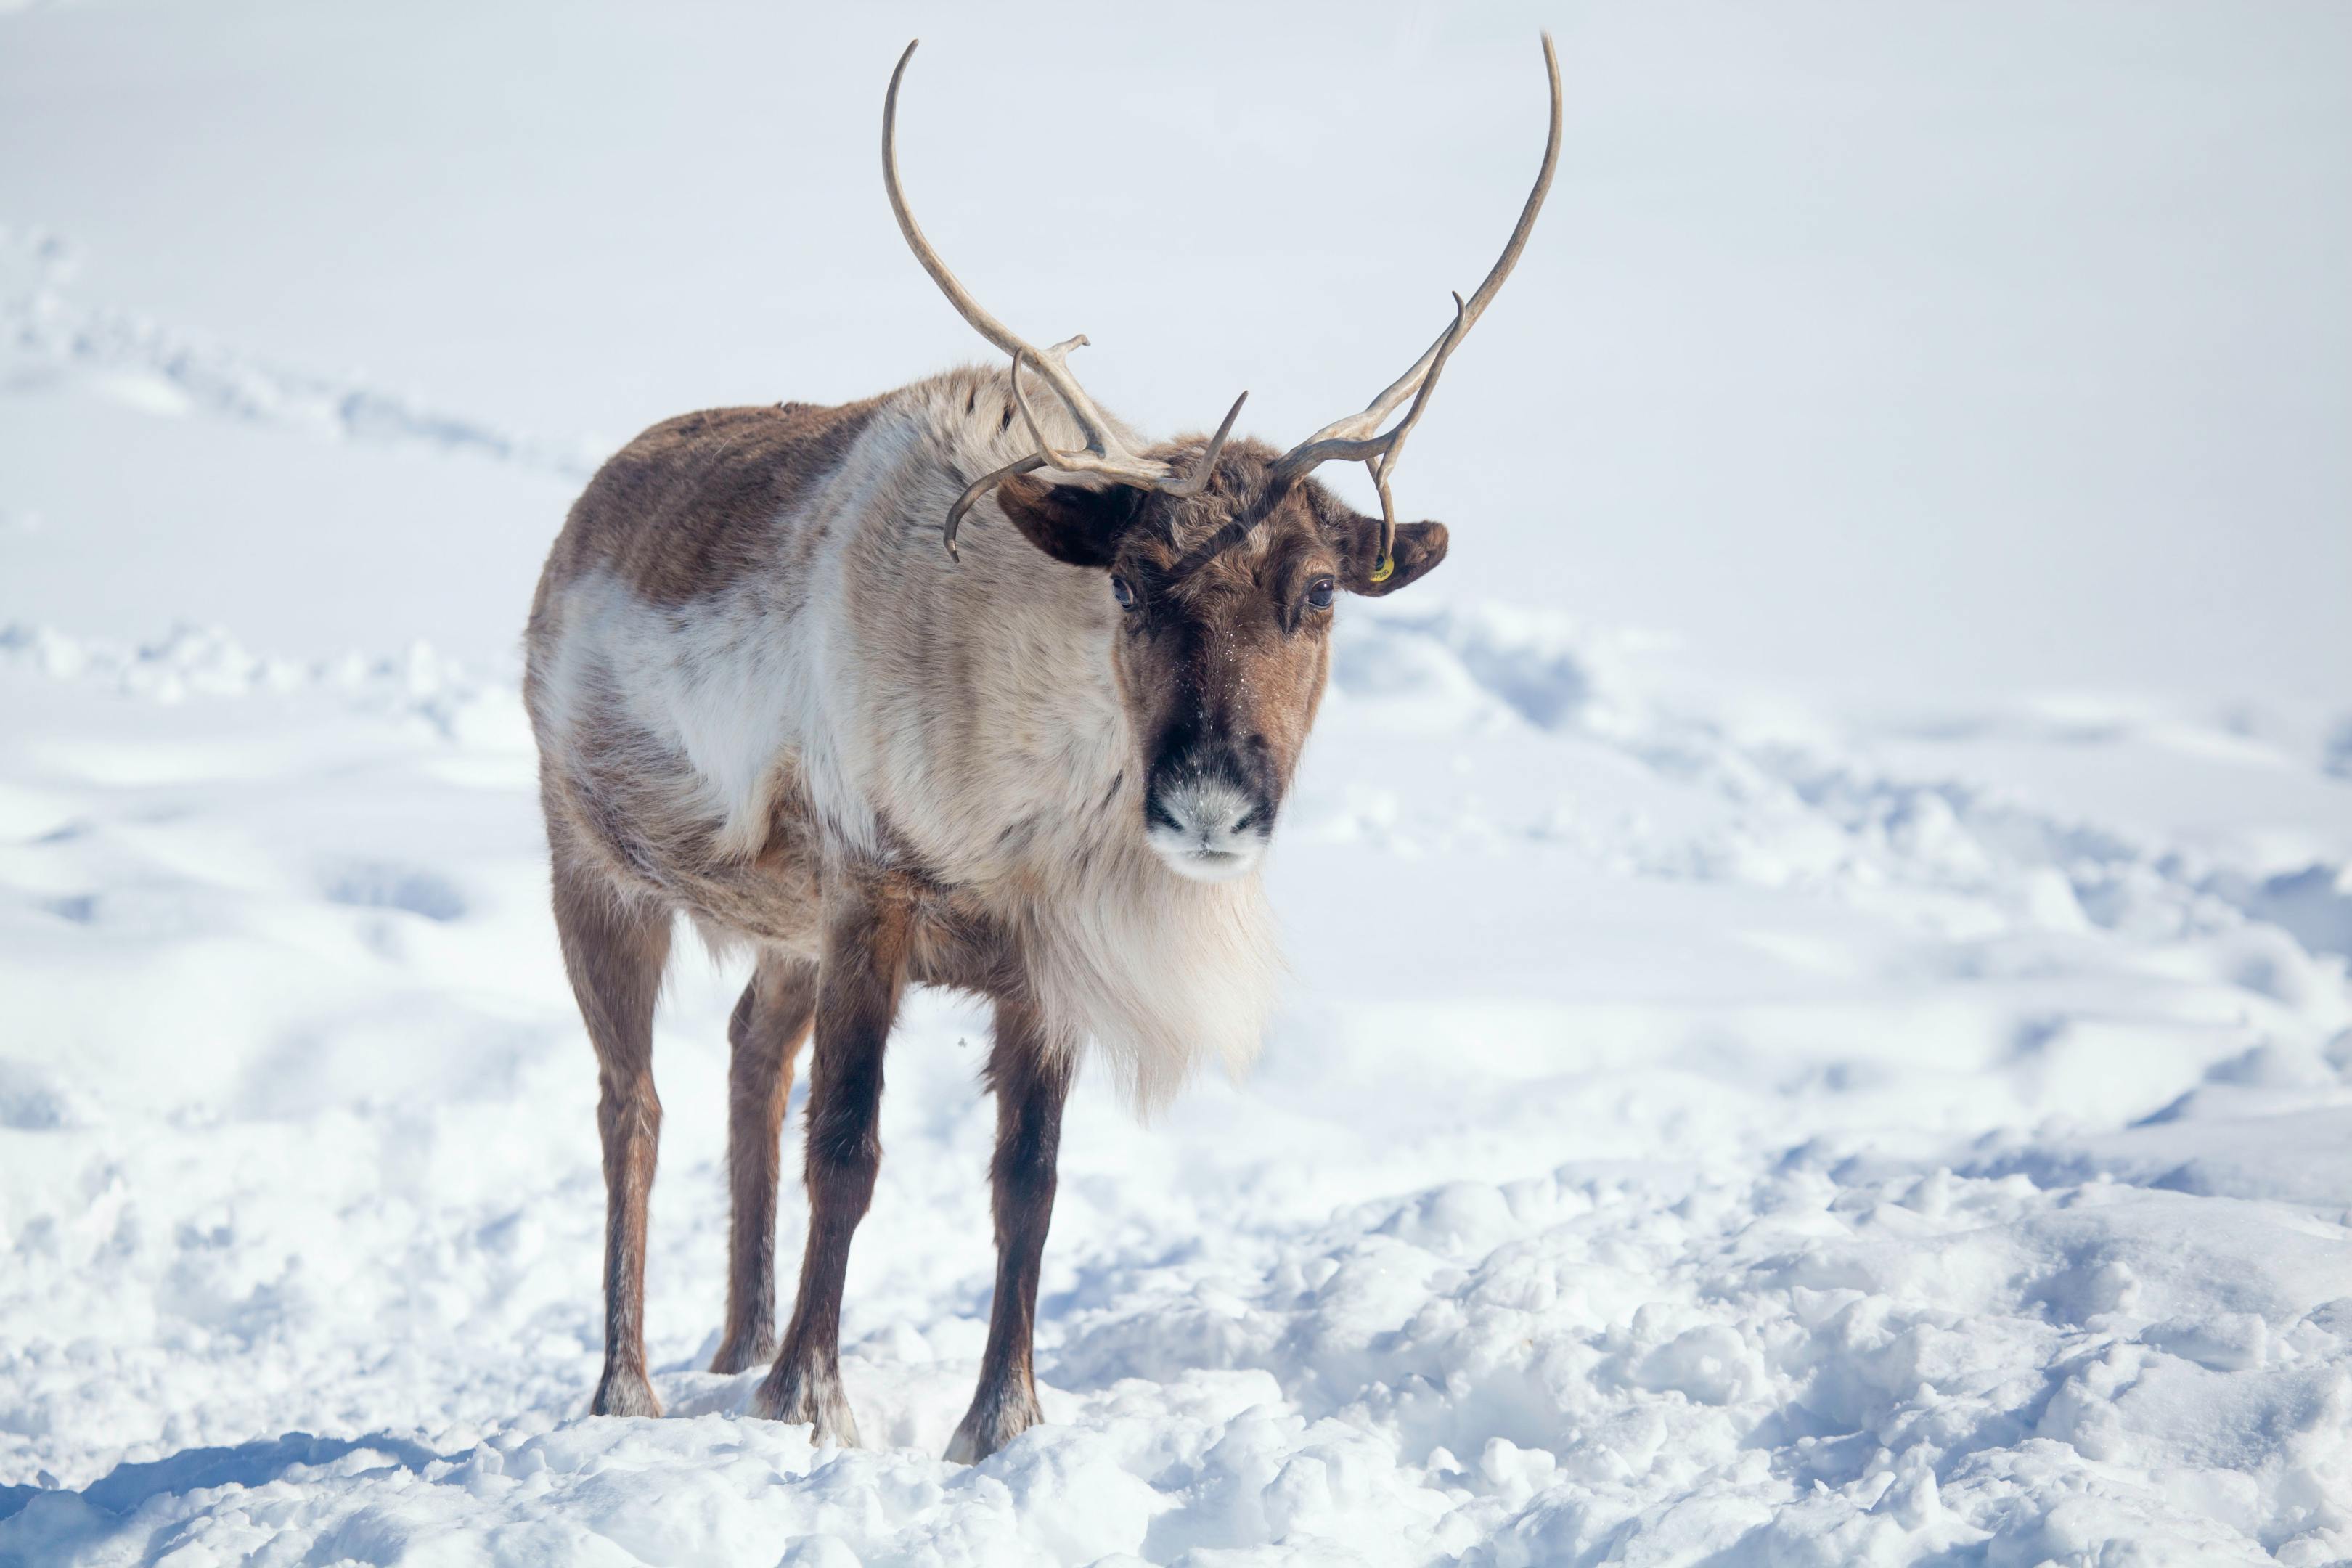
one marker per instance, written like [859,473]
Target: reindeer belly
[776,900]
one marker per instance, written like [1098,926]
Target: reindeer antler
[1104,453]
[1354,438]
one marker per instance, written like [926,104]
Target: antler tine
[1392,446]
[1194,483]
[1327,443]
[979,488]
[1029,415]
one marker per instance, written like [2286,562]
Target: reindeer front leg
[860,973]
[1030,1075]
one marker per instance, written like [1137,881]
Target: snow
[1724,1111]
[1685,1137]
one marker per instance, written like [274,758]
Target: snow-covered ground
[1701,1127]
[1720,1115]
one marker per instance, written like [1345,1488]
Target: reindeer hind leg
[614,950]
[770,1027]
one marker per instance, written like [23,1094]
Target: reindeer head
[1226,560]
[1225,600]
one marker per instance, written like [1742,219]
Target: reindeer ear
[1071,522]
[1420,546]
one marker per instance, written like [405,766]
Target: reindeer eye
[1318,593]
[1122,593]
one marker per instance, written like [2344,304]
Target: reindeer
[1039,766]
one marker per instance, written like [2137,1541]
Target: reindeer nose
[1206,803]
[1210,815]
[1205,822]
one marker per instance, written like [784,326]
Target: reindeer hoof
[624,1393]
[995,1419]
[733,1358]
[794,1395]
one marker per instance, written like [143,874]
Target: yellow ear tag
[1385,570]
